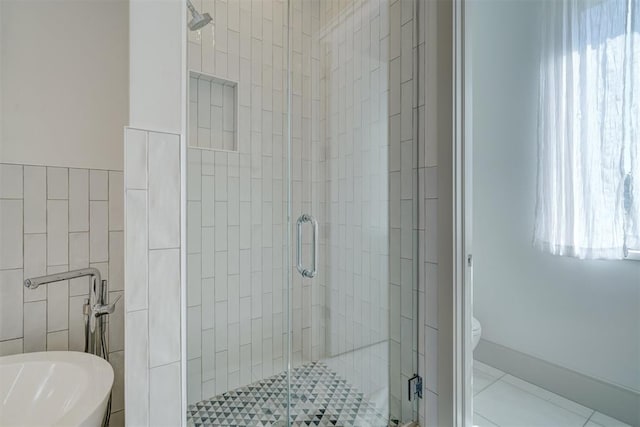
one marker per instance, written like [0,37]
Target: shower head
[198,20]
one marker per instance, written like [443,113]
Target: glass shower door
[353,261]
[301,135]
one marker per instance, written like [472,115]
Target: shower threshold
[319,397]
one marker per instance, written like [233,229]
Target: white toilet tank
[476,331]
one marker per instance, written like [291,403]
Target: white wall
[64,82]
[155,67]
[582,315]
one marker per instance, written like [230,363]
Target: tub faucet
[35,282]
[102,309]
[95,306]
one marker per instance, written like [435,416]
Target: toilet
[476,331]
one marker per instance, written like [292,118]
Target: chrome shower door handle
[309,273]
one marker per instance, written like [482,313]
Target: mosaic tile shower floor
[319,397]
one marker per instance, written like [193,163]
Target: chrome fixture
[94,307]
[94,310]
[305,272]
[198,20]
[35,282]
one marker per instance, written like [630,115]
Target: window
[588,201]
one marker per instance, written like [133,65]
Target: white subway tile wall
[164,191]
[152,274]
[350,185]
[212,112]
[54,219]
[236,199]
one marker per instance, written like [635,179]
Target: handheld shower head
[198,20]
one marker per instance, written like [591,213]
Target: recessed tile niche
[212,112]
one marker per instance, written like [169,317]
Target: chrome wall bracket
[415,387]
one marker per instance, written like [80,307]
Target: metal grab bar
[308,273]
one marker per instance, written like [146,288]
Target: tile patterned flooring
[502,400]
[319,397]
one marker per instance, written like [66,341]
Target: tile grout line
[548,400]
[68,253]
[23,258]
[147,403]
[490,384]
[46,264]
[489,419]
[589,419]
[551,397]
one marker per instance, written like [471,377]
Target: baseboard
[610,399]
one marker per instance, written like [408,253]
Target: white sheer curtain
[588,157]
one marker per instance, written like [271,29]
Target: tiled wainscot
[55,219]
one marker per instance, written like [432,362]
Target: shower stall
[302,212]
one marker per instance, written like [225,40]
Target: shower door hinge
[415,387]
